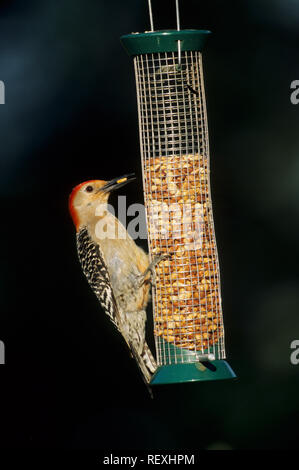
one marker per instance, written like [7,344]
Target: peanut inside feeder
[187,290]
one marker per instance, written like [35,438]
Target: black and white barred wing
[96,272]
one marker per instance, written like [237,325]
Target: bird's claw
[151,269]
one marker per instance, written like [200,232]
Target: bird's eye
[89,189]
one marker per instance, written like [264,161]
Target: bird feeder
[174,144]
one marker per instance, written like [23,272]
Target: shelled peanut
[187,291]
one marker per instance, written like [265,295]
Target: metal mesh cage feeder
[188,323]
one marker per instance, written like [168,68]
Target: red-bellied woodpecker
[116,268]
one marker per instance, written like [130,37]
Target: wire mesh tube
[175,160]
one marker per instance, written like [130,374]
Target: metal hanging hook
[178,25]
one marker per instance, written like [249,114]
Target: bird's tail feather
[148,359]
[146,364]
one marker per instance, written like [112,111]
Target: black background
[71,115]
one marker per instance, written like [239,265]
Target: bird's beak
[117,183]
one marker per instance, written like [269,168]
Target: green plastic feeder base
[192,372]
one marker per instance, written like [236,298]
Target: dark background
[71,115]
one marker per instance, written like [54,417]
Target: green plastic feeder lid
[164,41]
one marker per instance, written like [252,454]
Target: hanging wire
[179,54]
[151,14]
[178,27]
[177,9]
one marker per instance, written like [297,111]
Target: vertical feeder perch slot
[188,324]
